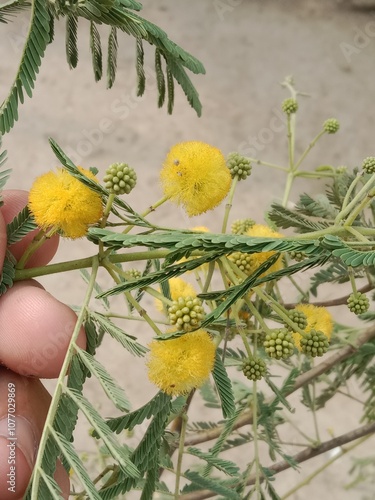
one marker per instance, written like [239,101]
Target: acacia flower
[318,318]
[178,288]
[179,365]
[195,176]
[59,200]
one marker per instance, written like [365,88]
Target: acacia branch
[334,302]
[300,457]
[246,417]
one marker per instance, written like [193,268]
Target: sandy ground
[248,47]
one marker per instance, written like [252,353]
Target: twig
[247,417]
[300,457]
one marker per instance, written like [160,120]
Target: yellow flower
[318,318]
[249,263]
[195,176]
[179,365]
[178,288]
[59,200]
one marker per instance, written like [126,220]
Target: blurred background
[248,47]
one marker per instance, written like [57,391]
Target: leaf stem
[228,206]
[181,446]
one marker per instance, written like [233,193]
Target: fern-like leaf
[112,57]
[12,8]
[71,40]
[8,273]
[226,466]
[160,80]
[215,485]
[96,52]
[20,226]
[33,52]
[141,77]
[170,86]
[224,388]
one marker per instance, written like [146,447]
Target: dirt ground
[247,47]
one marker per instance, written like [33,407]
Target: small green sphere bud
[242,261]
[297,317]
[186,313]
[314,343]
[368,165]
[358,303]
[120,178]
[133,274]
[342,169]
[331,126]
[289,106]
[298,256]
[239,166]
[279,344]
[254,369]
[240,226]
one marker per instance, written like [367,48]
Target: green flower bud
[186,313]
[297,317]
[242,261]
[358,303]
[314,343]
[368,165]
[133,274]
[240,226]
[120,178]
[254,369]
[331,126]
[289,106]
[298,256]
[239,166]
[279,344]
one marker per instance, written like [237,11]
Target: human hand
[35,329]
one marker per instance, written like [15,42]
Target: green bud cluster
[254,369]
[298,256]
[331,126]
[279,344]
[289,106]
[358,303]
[120,178]
[133,274]
[368,165]
[242,261]
[239,166]
[186,313]
[240,226]
[297,317]
[314,343]
[260,336]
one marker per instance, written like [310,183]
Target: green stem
[351,206]
[267,164]
[180,455]
[228,206]
[150,209]
[258,473]
[359,208]
[308,149]
[37,242]
[352,280]
[350,190]
[60,383]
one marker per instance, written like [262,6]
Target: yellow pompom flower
[59,200]
[178,288]
[318,318]
[195,175]
[179,365]
[249,263]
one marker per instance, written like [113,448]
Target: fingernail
[19,433]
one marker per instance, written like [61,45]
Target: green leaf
[214,485]
[76,464]
[141,77]
[20,226]
[287,387]
[170,87]
[285,218]
[71,41]
[12,8]
[224,388]
[109,385]
[33,52]
[129,421]
[112,57]
[336,272]
[127,341]
[160,80]
[8,273]
[96,52]
[104,433]
[86,277]
[226,466]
